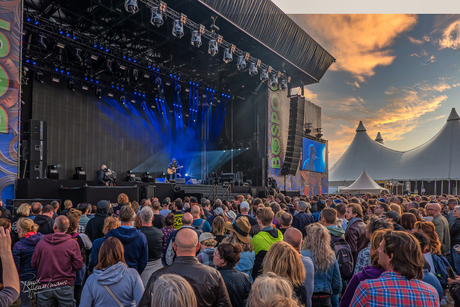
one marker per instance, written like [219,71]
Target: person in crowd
[56,207]
[67,205]
[239,234]
[451,203]
[327,279]
[417,214]
[400,284]
[218,228]
[85,209]
[238,284]
[198,222]
[158,219]
[408,221]
[35,209]
[4,212]
[244,209]
[96,224]
[178,213]
[122,200]
[294,237]
[170,254]
[265,238]
[355,235]
[112,283]
[22,211]
[283,260]
[272,291]
[341,211]
[45,220]
[229,216]
[393,217]
[10,278]
[171,290]
[329,220]
[110,223]
[165,207]
[167,231]
[396,208]
[302,218]
[455,240]
[372,271]
[154,241]
[134,241]
[22,254]
[381,208]
[207,283]
[57,257]
[207,245]
[364,257]
[442,227]
[285,221]
[434,245]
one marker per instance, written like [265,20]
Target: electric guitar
[172,170]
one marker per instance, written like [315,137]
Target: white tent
[364,184]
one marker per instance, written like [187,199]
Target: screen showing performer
[313,156]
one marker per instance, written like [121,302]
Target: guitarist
[173,166]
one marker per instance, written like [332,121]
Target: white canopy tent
[364,184]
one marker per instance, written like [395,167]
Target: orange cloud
[451,36]
[359,42]
[415,41]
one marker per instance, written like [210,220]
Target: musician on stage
[106,176]
[173,167]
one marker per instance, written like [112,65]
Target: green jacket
[264,239]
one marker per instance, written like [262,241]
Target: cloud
[451,36]
[359,42]
[353,83]
[415,41]
[432,59]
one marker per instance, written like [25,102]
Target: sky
[399,74]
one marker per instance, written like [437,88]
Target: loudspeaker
[38,130]
[37,150]
[180,180]
[160,180]
[35,169]
[150,191]
[294,144]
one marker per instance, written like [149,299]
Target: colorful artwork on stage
[307,182]
[10,59]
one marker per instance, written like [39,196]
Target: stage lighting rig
[264,75]
[253,69]
[196,39]
[98,93]
[213,48]
[283,83]
[78,55]
[274,81]
[41,41]
[38,76]
[70,86]
[241,62]
[228,55]
[157,17]
[178,29]
[135,74]
[308,128]
[131,6]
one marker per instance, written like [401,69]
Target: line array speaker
[294,144]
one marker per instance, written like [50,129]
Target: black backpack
[199,228]
[344,258]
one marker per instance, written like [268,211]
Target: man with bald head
[170,253]
[56,259]
[207,283]
[293,237]
[441,225]
[199,223]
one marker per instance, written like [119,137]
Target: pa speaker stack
[294,144]
[34,149]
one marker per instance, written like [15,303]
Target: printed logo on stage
[275,154]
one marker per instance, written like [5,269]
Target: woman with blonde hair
[327,281]
[22,211]
[22,254]
[109,224]
[268,288]
[283,260]
[171,290]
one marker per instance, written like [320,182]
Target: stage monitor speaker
[180,180]
[160,180]
[295,135]
[192,181]
[291,193]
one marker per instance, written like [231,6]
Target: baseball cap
[218,211]
[244,205]
[337,201]
[103,204]
[231,215]
[393,215]
[206,236]
[381,200]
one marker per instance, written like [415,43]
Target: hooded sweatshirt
[335,230]
[56,259]
[124,282]
[369,272]
[262,242]
[45,224]
[135,244]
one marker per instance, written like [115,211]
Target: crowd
[371,250]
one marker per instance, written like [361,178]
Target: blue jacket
[328,281]
[431,279]
[135,244]
[95,253]
[301,220]
[124,282]
[22,254]
[246,262]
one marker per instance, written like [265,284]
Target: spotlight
[131,6]
[264,75]
[110,94]
[84,87]
[178,29]
[123,99]
[157,17]
[60,45]
[108,64]
[56,79]
[213,48]
[274,81]
[41,41]
[196,39]
[77,55]
[94,57]
[99,93]
[253,69]
[241,63]
[135,74]
[283,84]
[228,56]
[38,76]
[70,86]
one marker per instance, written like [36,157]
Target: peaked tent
[364,184]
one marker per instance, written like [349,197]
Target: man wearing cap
[193,202]
[393,218]
[302,219]
[244,209]
[96,224]
[241,227]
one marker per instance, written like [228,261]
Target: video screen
[313,156]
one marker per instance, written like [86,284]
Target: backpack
[344,258]
[440,267]
[199,228]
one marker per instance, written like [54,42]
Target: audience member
[110,223]
[455,240]
[269,290]
[35,210]
[95,225]
[355,234]
[22,211]
[199,223]
[239,234]
[45,220]
[11,286]
[158,219]
[244,209]
[408,221]
[207,245]
[171,290]
[302,219]
[285,221]
[341,211]
[85,209]
[67,205]
[442,227]
[218,228]
[393,217]
[165,205]
[167,231]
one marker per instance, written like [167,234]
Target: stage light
[228,55]
[146,75]
[110,94]
[38,76]
[99,93]
[122,67]
[108,64]
[41,41]
[131,6]
[84,87]
[77,55]
[196,39]
[70,86]
[213,48]
[56,79]
[123,99]
[60,45]
[178,29]
[274,81]
[157,17]
[253,69]
[94,57]
[283,84]
[135,74]
[264,75]
[241,63]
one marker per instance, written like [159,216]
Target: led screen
[313,156]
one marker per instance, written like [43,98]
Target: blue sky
[399,74]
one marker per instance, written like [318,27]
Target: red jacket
[56,259]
